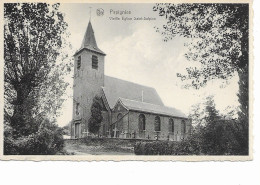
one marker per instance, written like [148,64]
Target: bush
[10,146]
[156,148]
[189,146]
[47,140]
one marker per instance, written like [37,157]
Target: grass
[100,146]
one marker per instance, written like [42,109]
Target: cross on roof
[90,13]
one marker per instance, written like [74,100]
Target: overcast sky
[137,53]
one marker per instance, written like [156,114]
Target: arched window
[157,124]
[141,122]
[119,116]
[183,127]
[171,125]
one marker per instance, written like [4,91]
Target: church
[129,110]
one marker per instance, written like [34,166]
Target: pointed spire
[89,41]
[89,38]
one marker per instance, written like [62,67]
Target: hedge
[165,148]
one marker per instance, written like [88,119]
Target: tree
[218,39]
[96,118]
[216,136]
[213,130]
[34,67]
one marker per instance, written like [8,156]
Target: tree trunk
[18,121]
[243,115]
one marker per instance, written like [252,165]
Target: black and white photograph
[127,80]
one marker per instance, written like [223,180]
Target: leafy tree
[213,130]
[218,39]
[217,134]
[34,67]
[96,118]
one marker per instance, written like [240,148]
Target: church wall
[122,125]
[149,128]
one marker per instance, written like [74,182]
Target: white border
[144,158]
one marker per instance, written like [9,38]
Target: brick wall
[150,133]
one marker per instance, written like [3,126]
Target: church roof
[89,41]
[151,108]
[115,88]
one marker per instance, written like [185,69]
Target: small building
[129,110]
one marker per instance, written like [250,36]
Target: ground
[99,146]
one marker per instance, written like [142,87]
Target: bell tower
[88,80]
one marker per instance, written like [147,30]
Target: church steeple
[89,41]
[89,37]
[89,68]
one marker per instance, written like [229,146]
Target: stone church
[129,110]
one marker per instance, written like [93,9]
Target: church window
[171,125]
[157,124]
[119,116]
[79,62]
[119,124]
[141,122]
[183,127]
[94,62]
[77,109]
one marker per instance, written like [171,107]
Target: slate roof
[151,108]
[115,88]
[89,41]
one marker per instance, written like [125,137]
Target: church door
[77,130]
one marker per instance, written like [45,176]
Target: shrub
[155,148]
[47,140]
[190,146]
[196,144]
[10,146]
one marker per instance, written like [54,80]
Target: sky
[137,53]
